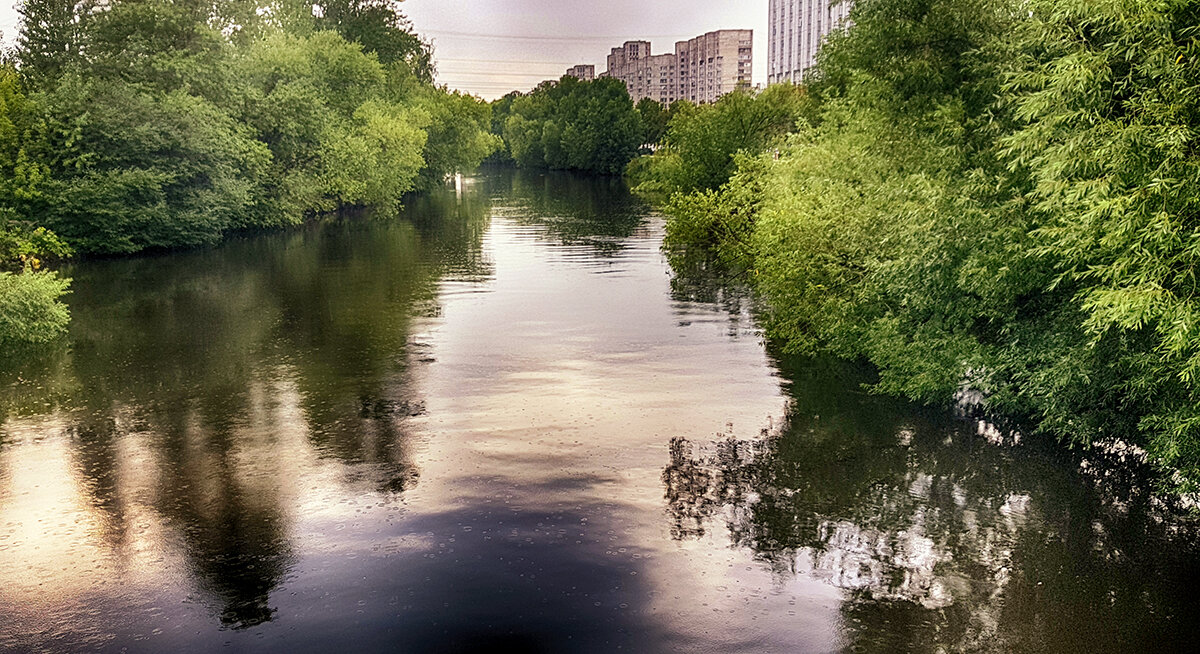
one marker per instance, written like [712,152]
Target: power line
[541,37]
[503,90]
[496,86]
[498,80]
[495,81]
[504,61]
[527,70]
[498,73]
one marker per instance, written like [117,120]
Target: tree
[380,28]
[655,119]
[701,142]
[575,125]
[501,111]
[48,41]
[137,155]
[168,123]
[989,193]
[31,310]
[1109,98]
[308,110]
[460,135]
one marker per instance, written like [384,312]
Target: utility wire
[506,61]
[539,37]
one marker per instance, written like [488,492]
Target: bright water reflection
[499,424]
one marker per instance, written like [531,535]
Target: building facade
[797,29]
[584,72]
[701,69]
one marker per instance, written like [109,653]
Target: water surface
[500,423]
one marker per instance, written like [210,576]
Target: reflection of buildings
[797,29]
[700,70]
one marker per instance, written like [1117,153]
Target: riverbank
[162,125]
[973,215]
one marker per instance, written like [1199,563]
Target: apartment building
[701,69]
[584,72]
[797,29]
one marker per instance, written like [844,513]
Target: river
[501,423]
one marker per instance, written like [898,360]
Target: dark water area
[501,423]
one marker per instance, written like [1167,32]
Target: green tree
[501,111]
[460,135]
[326,111]
[1109,98]
[701,142]
[574,124]
[135,156]
[655,119]
[989,193]
[22,144]
[48,41]
[189,118]
[380,28]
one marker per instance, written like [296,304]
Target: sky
[491,47]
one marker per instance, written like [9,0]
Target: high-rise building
[715,64]
[646,75]
[797,29]
[585,72]
[701,69]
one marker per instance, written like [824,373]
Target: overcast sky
[490,47]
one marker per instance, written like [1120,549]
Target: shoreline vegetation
[137,125]
[997,196]
[130,126]
[994,195]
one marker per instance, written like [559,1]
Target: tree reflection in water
[223,371]
[598,214]
[942,539]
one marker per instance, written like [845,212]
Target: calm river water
[500,423]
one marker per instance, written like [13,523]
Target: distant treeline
[570,124]
[128,125]
[1001,195]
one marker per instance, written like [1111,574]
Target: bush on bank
[991,193]
[31,310]
[30,307]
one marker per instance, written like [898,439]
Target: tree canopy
[128,125]
[573,124]
[988,194]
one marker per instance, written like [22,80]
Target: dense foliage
[700,142]
[572,124]
[995,194]
[654,119]
[31,310]
[30,306]
[128,125]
